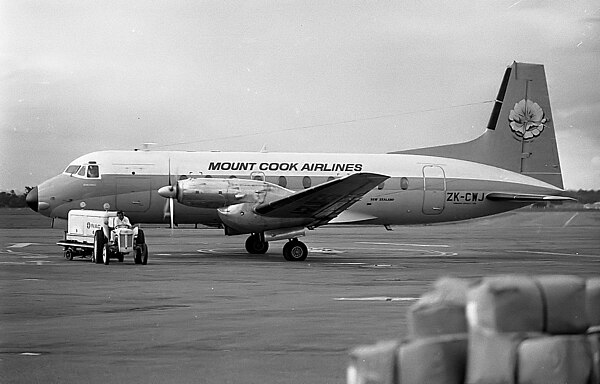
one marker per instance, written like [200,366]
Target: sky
[291,76]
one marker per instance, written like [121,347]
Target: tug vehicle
[94,234]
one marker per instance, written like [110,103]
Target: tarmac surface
[205,311]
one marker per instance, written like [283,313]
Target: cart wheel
[105,254]
[144,254]
[137,255]
[98,247]
[68,254]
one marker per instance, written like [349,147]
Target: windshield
[71,169]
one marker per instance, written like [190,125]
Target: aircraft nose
[32,199]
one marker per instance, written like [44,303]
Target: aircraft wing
[525,197]
[325,201]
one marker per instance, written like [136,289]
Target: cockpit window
[92,171]
[81,171]
[72,169]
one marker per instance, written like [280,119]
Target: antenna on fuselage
[145,147]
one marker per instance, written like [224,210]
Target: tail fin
[520,133]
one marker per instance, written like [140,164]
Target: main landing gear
[293,250]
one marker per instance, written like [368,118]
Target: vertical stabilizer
[520,135]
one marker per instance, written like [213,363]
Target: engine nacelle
[216,193]
[241,218]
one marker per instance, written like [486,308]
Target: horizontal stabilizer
[525,197]
[325,201]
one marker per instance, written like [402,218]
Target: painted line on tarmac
[326,251]
[347,263]
[403,244]
[376,298]
[20,245]
[420,253]
[571,219]
[555,253]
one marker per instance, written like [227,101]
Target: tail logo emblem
[527,119]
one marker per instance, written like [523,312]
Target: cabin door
[434,189]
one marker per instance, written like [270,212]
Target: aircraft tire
[69,254]
[295,250]
[106,254]
[255,246]
[144,254]
[98,247]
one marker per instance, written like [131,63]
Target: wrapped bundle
[565,302]
[374,364]
[441,311]
[592,298]
[492,357]
[594,340]
[506,304]
[434,360]
[555,359]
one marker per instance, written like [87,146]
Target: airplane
[279,196]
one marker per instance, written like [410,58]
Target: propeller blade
[172,213]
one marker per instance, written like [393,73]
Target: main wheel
[106,254]
[295,250]
[144,254]
[255,246]
[98,247]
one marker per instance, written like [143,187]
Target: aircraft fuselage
[421,189]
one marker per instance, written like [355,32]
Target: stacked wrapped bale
[592,303]
[436,351]
[504,329]
[374,364]
[514,323]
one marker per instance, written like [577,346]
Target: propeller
[169,192]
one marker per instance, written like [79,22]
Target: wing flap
[325,201]
[525,197]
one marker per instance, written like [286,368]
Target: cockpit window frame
[90,173]
[85,171]
[74,167]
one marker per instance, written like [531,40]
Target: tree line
[14,200]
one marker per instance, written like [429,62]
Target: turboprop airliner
[280,196]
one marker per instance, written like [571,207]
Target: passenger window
[93,171]
[306,182]
[282,181]
[404,183]
[81,171]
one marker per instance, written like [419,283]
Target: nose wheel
[295,250]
